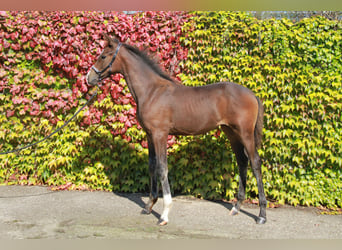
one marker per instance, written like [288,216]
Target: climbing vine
[294,67]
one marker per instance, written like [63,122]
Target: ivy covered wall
[295,68]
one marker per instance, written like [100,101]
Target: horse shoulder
[156,111]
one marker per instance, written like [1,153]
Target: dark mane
[152,63]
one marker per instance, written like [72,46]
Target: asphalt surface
[31,212]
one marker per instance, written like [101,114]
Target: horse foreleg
[153,177]
[164,219]
[160,140]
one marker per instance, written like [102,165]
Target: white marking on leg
[167,205]
[234,211]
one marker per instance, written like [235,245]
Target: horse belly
[193,120]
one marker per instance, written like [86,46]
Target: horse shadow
[127,164]
[229,206]
[137,199]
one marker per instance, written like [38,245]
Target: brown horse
[165,107]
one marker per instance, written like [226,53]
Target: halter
[98,72]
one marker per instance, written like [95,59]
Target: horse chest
[154,117]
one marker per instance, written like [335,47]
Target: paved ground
[39,213]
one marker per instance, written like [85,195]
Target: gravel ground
[30,212]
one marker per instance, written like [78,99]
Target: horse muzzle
[92,77]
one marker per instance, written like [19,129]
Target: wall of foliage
[295,68]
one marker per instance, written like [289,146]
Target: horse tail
[259,124]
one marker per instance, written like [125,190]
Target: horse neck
[139,76]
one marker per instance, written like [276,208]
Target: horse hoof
[162,223]
[260,220]
[234,211]
[146,211]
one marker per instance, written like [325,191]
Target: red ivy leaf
[9,113]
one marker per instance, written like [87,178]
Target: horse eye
[103,57]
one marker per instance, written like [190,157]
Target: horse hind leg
[256,167]
[242,160]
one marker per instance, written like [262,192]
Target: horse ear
[108,39]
